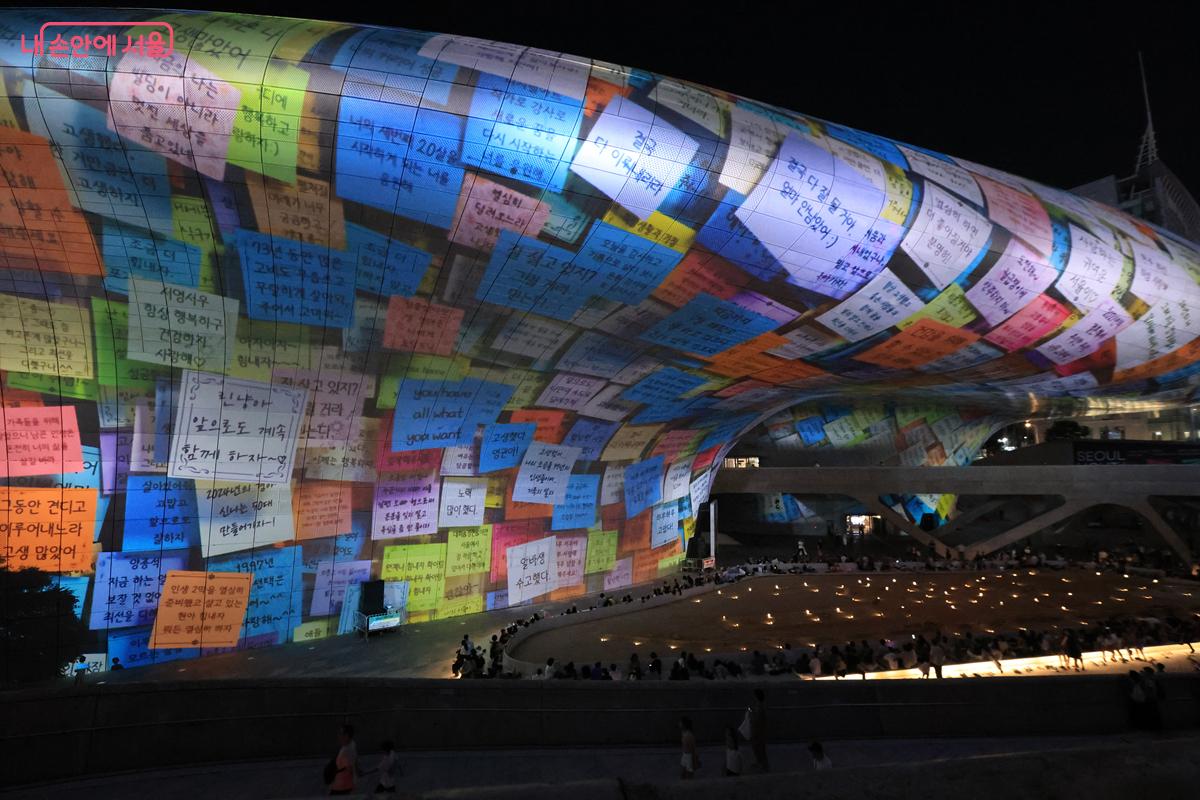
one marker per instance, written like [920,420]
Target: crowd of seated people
[1118,639]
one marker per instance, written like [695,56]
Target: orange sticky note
[201,609]
[421,326]
[920,343]
[322,509]
[39,441]
[551,425]
[40,229]
[700,271]
[49,529]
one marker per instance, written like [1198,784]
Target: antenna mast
[1148,152]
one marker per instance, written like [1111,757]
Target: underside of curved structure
[293,305]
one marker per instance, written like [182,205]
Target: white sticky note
[239,516]
[679,477]
[1093,270]
[952,176]
[877,306]
[462,503]
[946,237]
[234,429]
[634,157]
[532,570]
[1018,276]
[544,473]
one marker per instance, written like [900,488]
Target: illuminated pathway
[1176,657]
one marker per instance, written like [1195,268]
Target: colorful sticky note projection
[39,441]
[201,609]
[47,529]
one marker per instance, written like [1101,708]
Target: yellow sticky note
[469,550]
[317,629]
[950,307]
[899,195]
[658,228]
[45,337]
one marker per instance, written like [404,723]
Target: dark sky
[1050,91]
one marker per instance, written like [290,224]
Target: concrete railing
[63,733]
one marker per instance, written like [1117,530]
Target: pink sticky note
[485,208]
[1029,324]
[39,441]
[186,113]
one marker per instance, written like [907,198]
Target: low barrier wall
[64,733]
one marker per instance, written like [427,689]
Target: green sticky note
[418,367]
[601,552]
[266,130]
[113,368]
[77,388]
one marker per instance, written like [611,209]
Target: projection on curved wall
[301,304]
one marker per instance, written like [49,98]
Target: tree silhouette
[39,631]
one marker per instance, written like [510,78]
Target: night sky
[1049,91]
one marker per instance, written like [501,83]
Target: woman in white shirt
[388,769]
[733,756]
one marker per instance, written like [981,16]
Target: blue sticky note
[76,585]
[811,429]
[598,355]
[643,485]
[132,252]
[399,159]
[665,412]
[129,585]
[726,431]
[665,385]
[522,132]
[441,414]
[504,445]
[391,59]
[708,325]
[133,648]
[725,235]
[277,592]
[160,513]
[578,508]
[112,177]
[290,281]
[629,267]
[343,547]
[385,267]
[590,436]
[529,275]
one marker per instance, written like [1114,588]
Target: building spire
[1148,152]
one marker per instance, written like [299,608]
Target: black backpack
[331,770]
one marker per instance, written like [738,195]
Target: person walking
[937,656]
[690,760]
[733,756]
[345,763]
[388,769]
[80,669]
[819,760]
[758,730]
